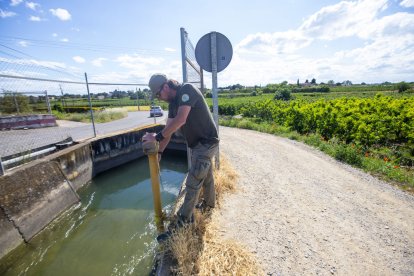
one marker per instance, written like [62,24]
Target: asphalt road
[25,140]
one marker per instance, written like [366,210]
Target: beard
[170,98]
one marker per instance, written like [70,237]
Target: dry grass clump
[224,179]
[225,257]
[186,244]
[185,247]
[198,250]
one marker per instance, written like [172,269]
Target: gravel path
[303,213]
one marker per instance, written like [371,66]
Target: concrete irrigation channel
[36,194]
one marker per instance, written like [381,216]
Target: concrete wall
[116,150]
[29,121]
[10,237]
[32,195]
[76,163]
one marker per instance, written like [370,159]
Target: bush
[58,108]
[283,94]
[313,140]
[403,86]
[8,103]
[81,109]
[323,89]
[348,154]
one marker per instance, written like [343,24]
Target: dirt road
[303,213]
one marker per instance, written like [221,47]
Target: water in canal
[111,232]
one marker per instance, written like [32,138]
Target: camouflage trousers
[200,175]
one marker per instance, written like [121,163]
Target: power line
[71,82]
[39,65]
[9,54]
[20,52]
[82,46]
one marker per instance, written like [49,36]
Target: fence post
[185,77]
[15,103]
[49,110]
[90,105]
[137,98]
[1,167]
[63,97]
[183,54]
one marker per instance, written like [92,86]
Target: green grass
[103,116]
[374,163]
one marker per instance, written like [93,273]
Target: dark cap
[155,83]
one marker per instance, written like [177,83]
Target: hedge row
[381,120]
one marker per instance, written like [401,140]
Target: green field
[370,127]
[372,130]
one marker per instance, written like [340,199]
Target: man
[189,112]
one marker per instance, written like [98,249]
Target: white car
[156,111]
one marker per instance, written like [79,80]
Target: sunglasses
[157,95]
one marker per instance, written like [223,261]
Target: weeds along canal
[111,232]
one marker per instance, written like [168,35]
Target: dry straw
[197,248]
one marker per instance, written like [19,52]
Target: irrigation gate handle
[151,149]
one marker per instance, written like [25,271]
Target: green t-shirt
[200,126]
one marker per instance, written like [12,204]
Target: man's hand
[149,143]
[148,137]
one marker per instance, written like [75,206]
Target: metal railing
[192,71]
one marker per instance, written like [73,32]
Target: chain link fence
[35,97]
[192,71]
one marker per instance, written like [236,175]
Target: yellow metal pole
[151,149]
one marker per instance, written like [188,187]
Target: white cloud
[64,39]
[407,3]
[32,5]
[54,34]
[98,62]
[137,69]
[4,14]
[383,51]
[15,2]
[35,18]
[79,59]
[169,49]
[273,43]
[137,61]
[395,25]
[347,18]
[62,14]
[23,43]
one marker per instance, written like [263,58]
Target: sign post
[213,53]
[213,45]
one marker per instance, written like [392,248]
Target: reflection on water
[111,232]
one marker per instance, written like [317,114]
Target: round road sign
[223,48]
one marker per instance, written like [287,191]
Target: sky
[126,41]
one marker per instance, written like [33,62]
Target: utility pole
[63,97]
